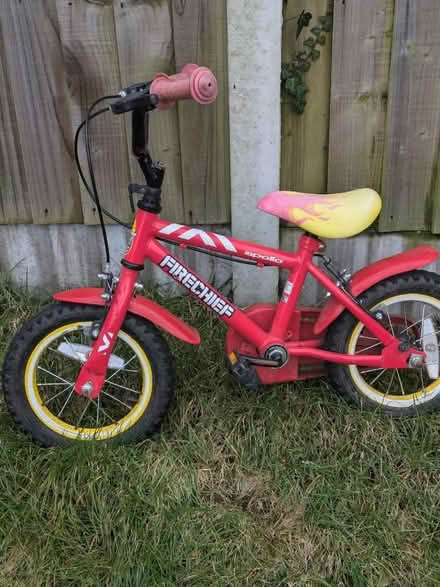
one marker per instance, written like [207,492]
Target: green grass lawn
[290,486]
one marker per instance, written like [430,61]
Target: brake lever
[135,97]
[134,88]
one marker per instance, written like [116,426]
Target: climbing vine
[293,73]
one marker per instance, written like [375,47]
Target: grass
[290,486]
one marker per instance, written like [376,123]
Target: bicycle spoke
[73,350]
[423,323]
[391,325]
[105,413]
[415,324]
[116,399]
[400,381]
[46,384]
[421,377]
[431,333]
[389,384]
[368,348]
[57,352]
[65,403]
[371,370]
[122,387]
[378,376]
[57,394]
[83,412]
[54,375]
[120,369]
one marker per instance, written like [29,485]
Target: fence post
[254,62]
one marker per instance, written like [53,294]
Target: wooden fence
[57,56]
[372,117]
[373,113]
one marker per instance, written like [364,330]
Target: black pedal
[243,370]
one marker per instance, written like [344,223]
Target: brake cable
[83,179]
[92,189]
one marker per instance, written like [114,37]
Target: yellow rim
[65,429]
[402,401]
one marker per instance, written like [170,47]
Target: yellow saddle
[330,215]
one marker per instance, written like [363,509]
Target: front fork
[92,375]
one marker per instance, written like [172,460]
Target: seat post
[309,242]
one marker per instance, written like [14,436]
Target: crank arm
[259,362]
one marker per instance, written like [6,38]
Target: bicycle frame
[145,245]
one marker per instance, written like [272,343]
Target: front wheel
[45,358]
[410,305]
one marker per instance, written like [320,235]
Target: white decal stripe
[226,242]
[170,228]
[192,232]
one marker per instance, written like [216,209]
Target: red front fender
[372,274]
[140,306]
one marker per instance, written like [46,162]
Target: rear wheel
[410,305]
[45,358]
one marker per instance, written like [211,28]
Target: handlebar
[193,81]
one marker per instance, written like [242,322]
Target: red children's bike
[94,365]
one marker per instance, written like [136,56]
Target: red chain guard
[300,328]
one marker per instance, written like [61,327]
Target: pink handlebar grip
[194,82]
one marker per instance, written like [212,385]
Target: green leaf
[291,85]
[299,106]
[321,40]
[310,42]
[286,70]
[304,67]
[315,54]
[301,91]
[316,30]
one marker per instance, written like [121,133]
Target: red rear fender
[140,306]
[372,274]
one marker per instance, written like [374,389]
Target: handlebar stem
[140,125]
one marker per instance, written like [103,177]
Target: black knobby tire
[136,400]
[407,391]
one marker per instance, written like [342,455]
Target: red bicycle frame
[145,245]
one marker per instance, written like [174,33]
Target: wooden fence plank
[14,201]
[414,117]
[200,37]
[89,43]
[33,55]
[362,34]
[435,229]
[304,141]
[145,46]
